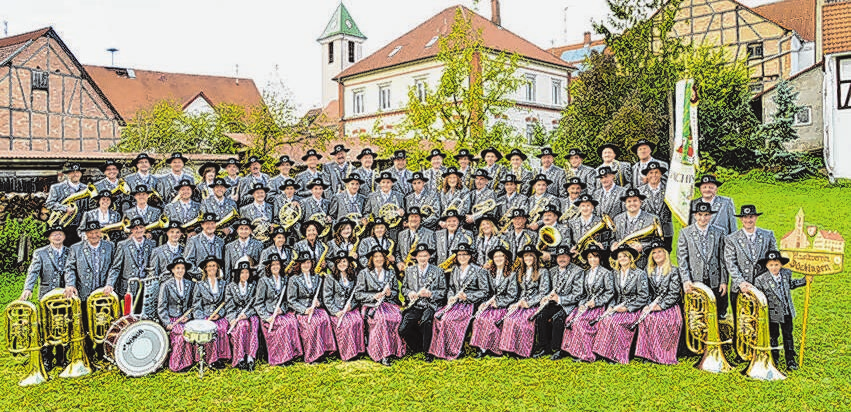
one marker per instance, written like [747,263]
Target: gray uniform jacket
[601,288]
[369,185]
[724,219]
[162,256]
[171,304]
[632,292]
[533,290]
[655,205]
[403,246]
[378,199]
[485,246]
[623,228]
[779,295]
[401,184]
[701,261]
[235,250]
[150,215]
[504,288]
[46,269]
[129,261]
[205,301]
[366,244]
[212,205]
[665,290]
[237,302]
[435,178]
[274,186]
[336,293]
[166,183]
[432,280]
[198,247]
[183,213]
[87,270]
[638,167]
[268,294]
[304,178]
[579,228]
[446,243]
[252,212]
[246,183]
[623,173]
[368,284]
[740,255]
[59,192]
[92,216]
[285,253]
[310,206]
[430,198]
[524,176]
[558,178]
[517,241]
[567,284]
[135,179]
[588,175]
[333,175]
[303,248]
[475,284]
[610,202]
[343,204]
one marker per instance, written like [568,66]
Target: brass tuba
[548,236]
[57,217]
[702,335]
[62,324]
[588,238]
[22,338]
[289,214]
[652,230]
[102,310]
[753,341]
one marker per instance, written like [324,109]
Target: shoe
[385,361]
[560,354]
[241,365]
[250,366]
[219,364]
[429,358]
[540,353]
[792,365]
[481,354]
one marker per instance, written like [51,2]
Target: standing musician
[633,220]
[87,267]
[413,231]
[164,255]
[487,240]
[643,149]
[130,259]
[400,172]
[167,184]
[310,246]
[142,175]
[659,332]
[468,287]
[465,161]
[243,320]
[494,170]
[451,236]
[173,304]
[575,187]
[700,249]
[279,325]
[434,175]
[184,209]
[503,292]
[608,193]
[610,154]
[316,203]
[250,181]
[584,222]
[386,195]
[378,236]
[722,206]
[311,159]
[424,287]
[512,198]
[420,197]
[598,289]
[60,191]
[614,338]
[284,165]
[206,244]
[219,203]
[521,174]
[377,291]
[366,172]
[480,194]
[103,213]
[244,245]
[232,178]
[539,199]
[654,191]
[349,200]
[519,236]
[258,210]
[453,194]
[777,284]
[586,174]
[334,173]
[278,247]
[518,331]
[208,295]
[343,238]
[563,297]
[149,214]
[338,296]
[743,248]
[208,172]
[111,170]
[553,175]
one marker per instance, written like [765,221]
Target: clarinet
[511,309]
[644,314]
[542,304]
[453,300]
[313,303]
[569,325]
[484,306]
[374,307]
[605,314]
[348,303]
[411,303]
[247,305]
[277,306]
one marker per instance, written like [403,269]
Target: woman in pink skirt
[504,289]
[243,320]
[614,338]
[338,297]
[518,331]
[173,309]
[659,331]
[208,299]
[468,287]
[377,291]
[279,326]
[597,290]
[304,295]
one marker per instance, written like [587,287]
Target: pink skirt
[579,340]
[349,334]
[384,339]
[659,335]
[614,338]
[316,336]
[485,332]
[448,332]
[244,339]
[283,342]
[518,333]
[183,353]
[219,348]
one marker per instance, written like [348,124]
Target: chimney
[587,41]
[495,17]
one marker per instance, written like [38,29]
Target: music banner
[684,158]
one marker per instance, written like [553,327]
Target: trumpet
[22,336]
[160,223]
[122,226]
[229,217]
[289,214]
[64,219]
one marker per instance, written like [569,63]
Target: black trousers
[786,328]
[415,328]
[721,302]
[550,327]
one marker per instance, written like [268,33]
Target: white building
[342,43]
[836,44]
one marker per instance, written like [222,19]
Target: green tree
[778,133]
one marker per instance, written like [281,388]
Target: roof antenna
[5,28]
[237,74]
[112,51]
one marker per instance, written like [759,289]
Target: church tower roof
[341,23]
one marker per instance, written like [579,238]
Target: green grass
[503,384]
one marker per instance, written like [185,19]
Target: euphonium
[323,219]
[62,324]
[161,223]
[753,341]
[548,236]
[588,238]
[192,224]
[229,217]
[65,219]
[702,334]
[121,225]
[482,208]
[390,213]
[289,214]
[652,230]
[102,310]
[22,338]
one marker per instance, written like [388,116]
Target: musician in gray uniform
[204,244]
[385,195]
[487,240]
[434,175]
[643,149]
[111,169]
[465,168]
[219,203]
[553,173]
[164,255]
[551,217]
[510,200]
[310,247]
[141,193]
[130,259]
[316,203]
[777,284]
[334,173]
[102,213]
[184,209]
[424,287]
[519,236]
[609,193]
[284,165]
[581,224]
[610,153]
[348,201]
[522,175]
[244,245]
[232,178]
[258,208]
[399,172]
[633,220]
[288,196]
[575,158]
[254,177]
[142,175]
[413,231]
[60,191]
[88,263]
[167,184]
[378,236]
[278,247]
[480,194]
[426,200]
[366,172]
[723,206]
[496,171]
[566,283]
[447,239]
[743,248]
[539,199]
[700,249]
[655,204]
[575,186]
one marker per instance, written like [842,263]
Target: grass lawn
[498,384]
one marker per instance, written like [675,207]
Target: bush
[15,249]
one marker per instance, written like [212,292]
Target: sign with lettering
[812,250]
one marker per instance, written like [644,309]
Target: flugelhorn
[702,336]
[102,310]
[58,217]
[753,341]
[160,223]
[62,324]
[22,338]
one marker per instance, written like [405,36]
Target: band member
[257,208]
[366,172]
[284,165]
[574,188]
[465,161]
[232,178]
[722,206]
[511,200]
[552,173]
[478,196]
[377,291]
[700,249]
[610,154]
[615,336]
[278,247]
[334,172]
[173,311]
[338,291]
[453,194]
[608,193]
[586,174]
[743,249]
[219,203]
[643,149]
[167,184]
[280,327]
[149,214]
[451,237]
[343,238]
[427,201]
[311,246]
[777,284]
[208,172]
[378,237]
[287,196]
[207,243]
[654,191]
[111,169]
[582,224]
[60,191]
[522,175]
[598,289]
[88,263]
[434,175]
[631,221]
[243,320]
[208,300]
[243,246]
[487,240]
[519,236]
[311,159]
[551,217]
[410,238]
[539,199]
[316,203]
[518,331]
[566,282]
[400,172]
[495,171]
[349,200]
[250,181]
[424,287]
[386,194]
[163,255]
[468,287]
[142,175]
[184,209]
[131,258]
[659,332]
[503,291]
[104,213]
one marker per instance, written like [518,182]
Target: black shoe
[560,354]
[242,365]
[385,361]
[429,358]
[219,364]
[250,366]
[481,354]
[540,353]
[792,365]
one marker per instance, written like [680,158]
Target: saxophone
[409,260]
[318,269]
[538,209]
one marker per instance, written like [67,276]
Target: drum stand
[200,361]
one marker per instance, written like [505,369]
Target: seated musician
[377,291]
[208,300]
[243,320]
[338,298]
[659,331]
[174,309]
[503,291]
[279,325]
[304,290]
[424,286]
[518,330]
[598,290]
[566,282]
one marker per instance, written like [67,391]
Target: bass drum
[137,347]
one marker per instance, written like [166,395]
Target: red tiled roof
[831,235]
[129,95]
[836,22]
[557,51]
[798,15]
[17,154]
[9,45]
[413,43]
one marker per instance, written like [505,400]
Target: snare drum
[199,331]
[137,347]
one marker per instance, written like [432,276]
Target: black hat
[93,225]
[318,225]
[491,150]
[450,213]
[273,257]
[625,248]
[343,221]
[748,210]
[386,176]
[575,152]
[284,159]
[399,155]
[142,156]
[136,221]
[220,182]
[173,224]
[352,177]
[552,208]
[184,183]
[709,179]
[413,210]
[563,250]
[519,213]
[258,186]
[179,261]
[240,266]
[654,165]
[772,255]
[528,249]
[632,192]
[340,255]
[615,148]
[253,159]
[703,207]
[232,161]
[494,221]
[417,176]
[435,152]
[510,178]
[367,152]
[452,170]
[208,165]
[73,167]
[464,247]
[547,151]
[376,249]
[243,222]
[423,247]
[54,228]
[540,178]
[209,217]
[141,188]
[504,251]
[289,183]
[107,163]
[464,153]
[102,194]
[176,155]
[339,148]
[482,173]
[585,198]
[302,257]
[604,171]
[379,221]
[643,142]
[656,244]
[575,181]
[311,153]
[277,230]
[210,258]
[516,152]
[594,247]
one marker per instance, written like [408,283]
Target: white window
[530,88]
[556,92]
[420,90]
[804,117]
[843,82]
[384,97]
[357,101]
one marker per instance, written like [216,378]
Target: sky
[253,37]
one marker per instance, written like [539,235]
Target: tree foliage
[778,133]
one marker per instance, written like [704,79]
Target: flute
[277,306]
[348,304]
[215,312]
[235,320]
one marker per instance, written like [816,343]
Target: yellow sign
[811,250]
[813,263]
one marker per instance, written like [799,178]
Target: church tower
[341,44]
